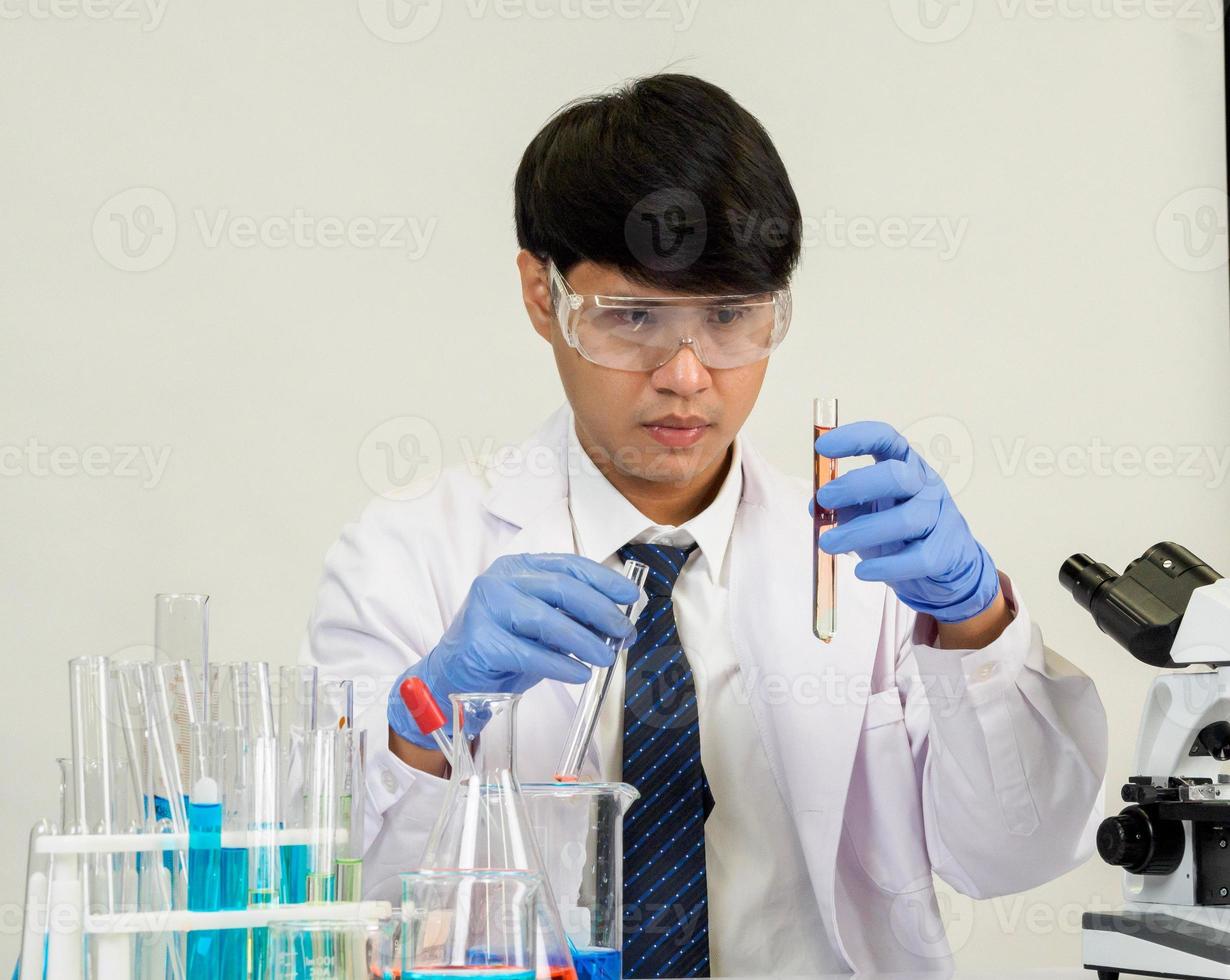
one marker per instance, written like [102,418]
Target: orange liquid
[563,973]
[824,571]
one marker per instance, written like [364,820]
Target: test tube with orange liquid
[824,566]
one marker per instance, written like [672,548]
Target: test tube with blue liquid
[296,713]
[236,806]
[204,955]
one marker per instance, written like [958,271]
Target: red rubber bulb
[421,705]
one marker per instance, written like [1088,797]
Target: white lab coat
[896,760]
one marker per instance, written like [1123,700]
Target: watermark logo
[945,443]
[666,230]
[941,234]
[147,13]
[300,229]
[930,924]
[939,21]
[401,458]
[401,21]
[1191,229]
[932,21]
[1095,458]
[135,230]
[145,464]
[406,21]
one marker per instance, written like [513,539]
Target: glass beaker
[484,825]
[318,949]
[469,924]
[579,828]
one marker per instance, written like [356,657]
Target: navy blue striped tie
[666,909]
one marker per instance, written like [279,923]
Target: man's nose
[683,374]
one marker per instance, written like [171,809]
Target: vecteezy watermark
[401,458]
[147,13]
[932,21]
[136,230]
[942,234]
[1095,458]
[947,444]
[938,21]
[147,464]
[405,21]
[1191,229]
[914,924]
[666,230]
[302,230]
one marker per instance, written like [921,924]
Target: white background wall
[1065,145]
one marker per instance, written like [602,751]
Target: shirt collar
[605,520]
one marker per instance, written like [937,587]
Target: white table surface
[1073,973]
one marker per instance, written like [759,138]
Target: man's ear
[536,293]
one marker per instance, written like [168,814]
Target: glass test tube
[322,805]
[181,633]
[336,704]
[353,746]
[264,858]
[36,919]
[594,693]
[824,567]
[296,714]
[205,849]
[236,786]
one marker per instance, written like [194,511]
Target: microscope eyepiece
[1142,608]
[1082,576]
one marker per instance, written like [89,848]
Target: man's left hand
[900,519]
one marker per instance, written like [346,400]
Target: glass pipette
[594,693]
[824,570]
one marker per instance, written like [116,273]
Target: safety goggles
[641,333]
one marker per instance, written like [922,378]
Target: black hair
[667,178]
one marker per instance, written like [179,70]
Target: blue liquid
[234,946]
[294,873]
[260,937]
[595,963]
[204,887]
[162,811]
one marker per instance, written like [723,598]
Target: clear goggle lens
[635,333]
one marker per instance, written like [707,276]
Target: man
[796,796]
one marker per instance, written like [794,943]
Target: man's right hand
[524,620]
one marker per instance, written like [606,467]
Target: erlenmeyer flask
[484,824]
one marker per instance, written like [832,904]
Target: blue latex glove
[526,618]
[898,516]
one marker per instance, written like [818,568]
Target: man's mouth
[678,431]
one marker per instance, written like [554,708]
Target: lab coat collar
[606,520]
[531,482]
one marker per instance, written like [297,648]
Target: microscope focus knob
[1138,842]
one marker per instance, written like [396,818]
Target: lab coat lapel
[531,493]
[808,697]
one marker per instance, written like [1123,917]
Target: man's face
[671,425]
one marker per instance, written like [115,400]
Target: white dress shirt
[762,908]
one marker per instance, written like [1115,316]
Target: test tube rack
[59,923]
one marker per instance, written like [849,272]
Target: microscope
[1169,609]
